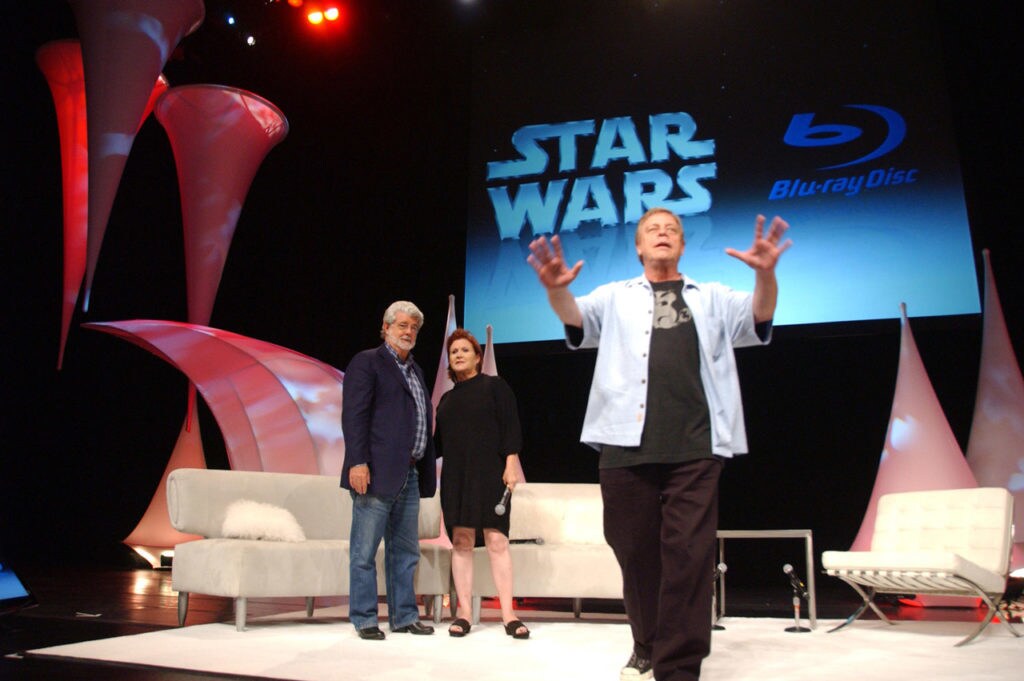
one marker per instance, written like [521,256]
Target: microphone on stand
[499,508]
[794,581]
[799,591]
[715,614]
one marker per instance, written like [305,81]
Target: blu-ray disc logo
[804,131]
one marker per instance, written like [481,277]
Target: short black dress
[477,428]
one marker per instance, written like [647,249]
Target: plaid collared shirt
[420,395]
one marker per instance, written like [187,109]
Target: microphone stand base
[797,630]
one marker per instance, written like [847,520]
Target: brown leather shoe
[371,634]
[415,628]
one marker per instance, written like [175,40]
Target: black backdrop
[364,203]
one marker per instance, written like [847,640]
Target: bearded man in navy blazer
[389,465]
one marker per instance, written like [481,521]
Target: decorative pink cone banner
[220,136]
[442,383]
[61,63]
[490,366]
[921,452]
[995,450]
[154,533]
[278,410]
[125,45]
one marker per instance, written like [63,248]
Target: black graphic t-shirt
[677,426]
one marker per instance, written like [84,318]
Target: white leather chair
[953,542]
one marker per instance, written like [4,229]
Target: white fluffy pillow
[247,519]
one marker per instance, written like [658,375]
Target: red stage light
[320,13]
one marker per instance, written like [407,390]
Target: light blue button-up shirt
[617,320]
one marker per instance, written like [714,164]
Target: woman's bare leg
[463,540]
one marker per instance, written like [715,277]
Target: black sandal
[461,623]
[512,629]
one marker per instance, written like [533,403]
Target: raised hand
[549,263]
[764,253]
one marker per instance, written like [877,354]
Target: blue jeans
[396,521]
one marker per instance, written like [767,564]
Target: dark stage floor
[90,602]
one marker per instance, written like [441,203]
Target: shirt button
[641,405]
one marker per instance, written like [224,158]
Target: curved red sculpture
[61,64]
[153,535]
[125,44]
[220,136]
[278,410]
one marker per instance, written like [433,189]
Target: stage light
[315,17]
[250,40]
[295,3]
[331,14]
[230,19]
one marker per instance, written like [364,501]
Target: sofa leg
[182,607]
[240,613]
[476,609]
[310,601]
[437,607]
[577,607]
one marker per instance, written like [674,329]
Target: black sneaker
[636,669]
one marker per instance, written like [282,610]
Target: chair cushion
[909,571]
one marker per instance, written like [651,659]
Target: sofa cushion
[245,567]
[248,519]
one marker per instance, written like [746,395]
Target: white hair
[402,306]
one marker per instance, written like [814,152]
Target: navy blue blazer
[378,420]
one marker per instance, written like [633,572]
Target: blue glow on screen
[864,170]
[10,586]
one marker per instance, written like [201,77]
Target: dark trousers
[661,520]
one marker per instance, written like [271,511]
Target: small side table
[812,605]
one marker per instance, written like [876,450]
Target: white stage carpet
[327,648]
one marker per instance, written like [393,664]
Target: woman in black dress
[479,437]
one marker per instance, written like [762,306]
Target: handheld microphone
[500,507]
[720,570]
[794,581]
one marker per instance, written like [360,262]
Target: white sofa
[198,499]
[558,546]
